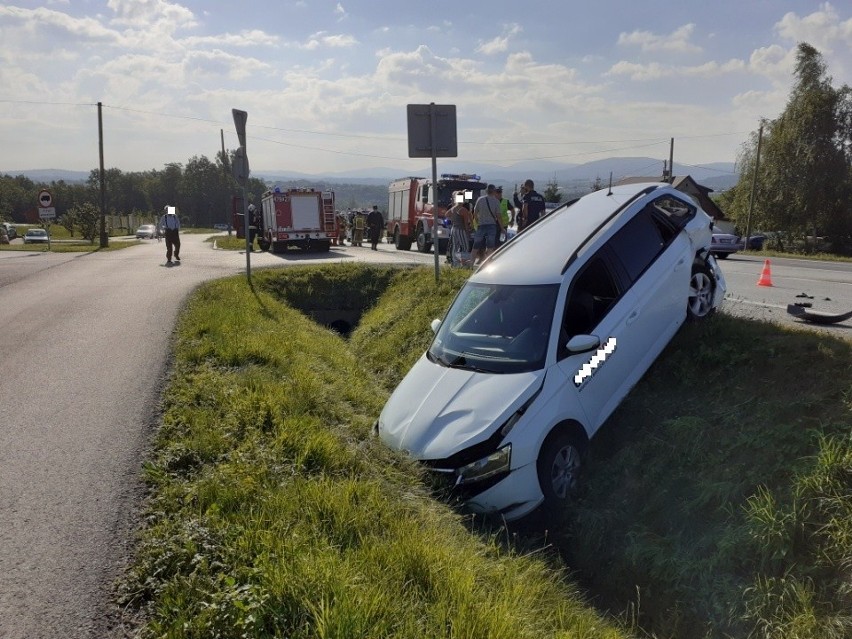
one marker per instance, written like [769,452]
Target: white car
[148,231]
[36,236]
[544,341]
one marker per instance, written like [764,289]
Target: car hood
[437,411]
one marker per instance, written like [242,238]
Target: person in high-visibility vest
[358,226]
[505,217]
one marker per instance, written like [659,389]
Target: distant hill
[573,178]
[46,176]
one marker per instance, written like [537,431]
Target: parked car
[11,230]
[544,341]
[724,244]
[148,231]
[755,243]
[36,236]
[220,227]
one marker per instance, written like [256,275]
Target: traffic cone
[765,275]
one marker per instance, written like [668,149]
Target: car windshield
[36,232]
[496,328]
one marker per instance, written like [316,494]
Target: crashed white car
[545,340]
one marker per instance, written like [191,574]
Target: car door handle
[679,264]
[632,317]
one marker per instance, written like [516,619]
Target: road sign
[432,131]
[47,212]
[45,199]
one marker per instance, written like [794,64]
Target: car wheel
[702,287]
[722,256]
[558,468]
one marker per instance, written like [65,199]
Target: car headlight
[496,462]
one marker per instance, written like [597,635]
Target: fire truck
[297,217]
[411,217]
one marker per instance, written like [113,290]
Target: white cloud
[323,39]
[501,42]
[142,13]
[655,71]
[678,40]
[822,28]
[340,12]
[251,38]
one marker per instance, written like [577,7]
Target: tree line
[800,185]
[201,189]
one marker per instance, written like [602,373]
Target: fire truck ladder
[328,212]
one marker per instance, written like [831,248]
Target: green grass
[83,246]
[232,243]
[722,488]
[717,501]
[275,512]
[822,257]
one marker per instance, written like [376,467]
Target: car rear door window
[637,243]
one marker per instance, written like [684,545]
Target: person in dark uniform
[375,224]
[533,204]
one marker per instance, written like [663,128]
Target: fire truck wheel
[423,245]
[263,244]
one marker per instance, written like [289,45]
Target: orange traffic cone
[765,275]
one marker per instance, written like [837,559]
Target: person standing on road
[533,207]
[170,223]
[459,215]
[375,224]
[507,219]
[357,229]
[486,212]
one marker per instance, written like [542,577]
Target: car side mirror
[435,325]
[582,343]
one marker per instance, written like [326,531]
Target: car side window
[637,244]
[592,295]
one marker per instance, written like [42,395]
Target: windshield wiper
[461,362]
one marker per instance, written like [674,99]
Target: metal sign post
[240,170]
[432,134]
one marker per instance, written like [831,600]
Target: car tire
[722,256]
[702,287]
[558,466]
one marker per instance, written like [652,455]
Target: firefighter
[254,222]
[341,228]
[358,229]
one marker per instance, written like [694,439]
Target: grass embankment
[275,512]
[719,496]
[717,502]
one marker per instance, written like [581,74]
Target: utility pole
[104,240]
[753,185]
[671,161]
[228,213]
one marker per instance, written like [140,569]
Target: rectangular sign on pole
[47,212]
[420,142]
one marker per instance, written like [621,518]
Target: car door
[639,284]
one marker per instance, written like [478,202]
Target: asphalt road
[83,358]
[825,285]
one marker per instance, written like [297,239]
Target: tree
[804,182]
[551,192]
[88,218]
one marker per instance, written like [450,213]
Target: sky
[326,84]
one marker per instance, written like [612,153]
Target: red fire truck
[410,214]
[297,217]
